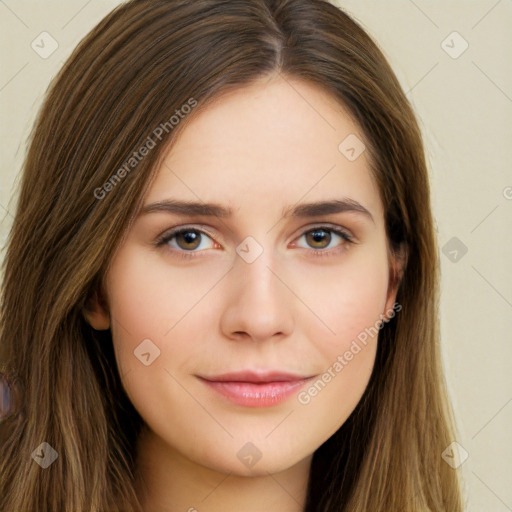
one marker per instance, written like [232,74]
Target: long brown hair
[140,65]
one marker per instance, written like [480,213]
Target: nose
[259,304]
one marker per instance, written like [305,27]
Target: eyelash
[169,235]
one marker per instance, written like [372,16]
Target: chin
[236,465]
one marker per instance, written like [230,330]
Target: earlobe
[96,312]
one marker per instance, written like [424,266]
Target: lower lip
[250,394]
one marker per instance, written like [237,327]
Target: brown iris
[188,239]
[318,236]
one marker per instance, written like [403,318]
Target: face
[236,336]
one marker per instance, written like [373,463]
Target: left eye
[320,238]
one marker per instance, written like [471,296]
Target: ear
[398,262]
[96,311]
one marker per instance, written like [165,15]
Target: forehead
[267,145]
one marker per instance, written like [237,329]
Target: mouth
[256,389]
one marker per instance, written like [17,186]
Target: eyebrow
[303,210]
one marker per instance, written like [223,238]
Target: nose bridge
[257,279]
[259,304]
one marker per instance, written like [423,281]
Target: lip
[256,389]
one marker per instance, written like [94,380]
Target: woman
[221,286]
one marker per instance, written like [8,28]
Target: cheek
[349,299]
[158,318]
[350,304]
[149,298]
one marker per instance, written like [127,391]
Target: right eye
[185,240]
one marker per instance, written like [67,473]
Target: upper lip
[255,377]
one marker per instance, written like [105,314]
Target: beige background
[465,108]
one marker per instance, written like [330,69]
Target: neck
[166,481]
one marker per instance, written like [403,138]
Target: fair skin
[258,150]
